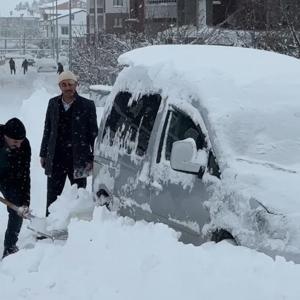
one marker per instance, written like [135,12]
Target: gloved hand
[89,166]
[23,211]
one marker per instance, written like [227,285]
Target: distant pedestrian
[12,66]
[25,66]
[60,68]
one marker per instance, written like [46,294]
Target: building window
[118,22]
[64,30]
[118,3]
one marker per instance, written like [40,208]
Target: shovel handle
[9,204]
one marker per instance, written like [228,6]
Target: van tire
[221,235]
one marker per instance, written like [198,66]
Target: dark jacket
[25,64]
[84,132]
[60,68]
[15,168]
[12,63]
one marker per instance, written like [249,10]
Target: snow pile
[73,203]
[115,258]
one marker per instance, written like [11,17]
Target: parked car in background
[31,61]
[99,93]
[46,65]
[206,140]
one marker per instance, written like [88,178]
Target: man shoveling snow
[15,156]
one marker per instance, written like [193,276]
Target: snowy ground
[112,257]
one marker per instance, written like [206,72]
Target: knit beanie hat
[15,129]
[67,75]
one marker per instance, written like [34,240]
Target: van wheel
[221,235]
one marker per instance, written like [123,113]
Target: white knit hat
[67,75]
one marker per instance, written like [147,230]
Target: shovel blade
[39,226]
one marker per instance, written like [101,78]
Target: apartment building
[110,15]
[48,12]
[160,14]
[119,16]
[79,28]
[17,24]
[95,22]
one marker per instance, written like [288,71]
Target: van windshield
[130,123]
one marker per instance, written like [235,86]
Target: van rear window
[130,123]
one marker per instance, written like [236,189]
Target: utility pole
[24,43]
[56,31]
[52,32]
[70,35]
[23,35]
[96,21]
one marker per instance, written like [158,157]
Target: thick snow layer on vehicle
[249,100]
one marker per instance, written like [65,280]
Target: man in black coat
[12,66]
[15,156]
[60,68]
[25,66]
[68,141]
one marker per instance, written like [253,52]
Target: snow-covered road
[115,258]
[16,88]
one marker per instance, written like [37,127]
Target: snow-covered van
[205,139]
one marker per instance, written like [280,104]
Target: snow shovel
[35,222]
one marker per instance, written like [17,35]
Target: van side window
[133,121]
[117,116]
[180,127]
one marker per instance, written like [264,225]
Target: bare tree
[272,25]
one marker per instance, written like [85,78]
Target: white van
[205,139]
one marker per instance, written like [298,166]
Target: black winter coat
[84,132]
[15,168]
[12,64]
[60,68]
[25,64]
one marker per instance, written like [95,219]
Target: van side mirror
[186,158]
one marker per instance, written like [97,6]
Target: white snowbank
[115,258]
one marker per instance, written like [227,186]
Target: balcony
[160,9]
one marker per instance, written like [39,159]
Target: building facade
[120,16]
[19,24]
[79,26]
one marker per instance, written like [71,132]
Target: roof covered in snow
[27,14]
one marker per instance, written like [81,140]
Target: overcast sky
[7,5]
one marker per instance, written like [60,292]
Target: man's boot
[11,250]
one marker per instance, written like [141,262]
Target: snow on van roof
[252,91]
[250,101]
